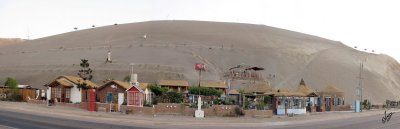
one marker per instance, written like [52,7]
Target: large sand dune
[171,49]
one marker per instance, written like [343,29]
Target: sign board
[199,66]
[109,97]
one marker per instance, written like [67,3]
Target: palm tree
[242,97]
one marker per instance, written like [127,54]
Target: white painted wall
[297,111]
[76,95]
[280,112]
[289,111]
[48,93]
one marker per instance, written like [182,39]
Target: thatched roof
[306,90]
[173,83]
[233,92]
[212,84]
[331,89]
[287,93]
[64,82]
[143,86]
[258,88]
[67,80]
[124,85]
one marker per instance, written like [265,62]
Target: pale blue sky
[370,24]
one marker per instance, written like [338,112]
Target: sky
[367,24]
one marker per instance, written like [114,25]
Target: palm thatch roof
[173,83]
[306,90]
[64,82]
[212,84]
[68,81]
[287,93]
[233,92]
[124,85]
[332,90]
[258,88]
[143,86]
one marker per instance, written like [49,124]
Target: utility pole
[360,87]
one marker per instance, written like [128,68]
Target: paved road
[367,122]
[10,119]
[28,121]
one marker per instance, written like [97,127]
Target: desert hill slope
[171,48]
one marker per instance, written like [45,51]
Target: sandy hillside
[171,48]
[9,41]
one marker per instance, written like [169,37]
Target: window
[56,92]
[68,93]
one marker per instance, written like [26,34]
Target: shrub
[157,90]
[175,97]
[205,91]
[239,112]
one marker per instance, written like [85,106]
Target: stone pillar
[199,113]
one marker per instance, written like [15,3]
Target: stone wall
[105,107]
[342,108]
[258,113]
[169,109]
[220,110]
[35,101]
[137,110]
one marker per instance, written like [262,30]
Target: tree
[302,82]
[13,86]
[205,91]
[85,72]
[242,97]
[157,90]
[127,78]
[174,97]
[11,83]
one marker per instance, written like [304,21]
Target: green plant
[366,104]
[85,72]
[205,91]
[239,112]
[127,78]
[216,101]
[175,97]
[267,99]
[13,86]
[157,90]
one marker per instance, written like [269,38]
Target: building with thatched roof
[213,84]
[311,95]
[69,89]
[330,98]
[261,88]
[175,85]
[113,89]
[289,102]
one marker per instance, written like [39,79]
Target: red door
[91,100]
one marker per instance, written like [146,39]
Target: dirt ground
[171,121]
